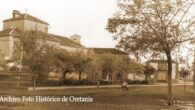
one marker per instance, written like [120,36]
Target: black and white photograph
[97,54]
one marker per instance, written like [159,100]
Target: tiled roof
[108,50]
[64,41]
[26,17]
[56,38]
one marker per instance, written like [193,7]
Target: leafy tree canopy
[152,25]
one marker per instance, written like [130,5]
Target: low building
[125,56]
[110,51]
[161,68]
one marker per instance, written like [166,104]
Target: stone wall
[31,25]
[25,25]
[18,24]
[4,45]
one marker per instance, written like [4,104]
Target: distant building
[113,51]
[110,51]
[161,68]
[25,22]
[14,27]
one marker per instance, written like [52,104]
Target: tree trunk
[194,81]
[121,78]
[194,73]
[194,77]
[63,77]
[80,73]
[184,83]
[110,77]
[134,77]
[146,78]
[169,79]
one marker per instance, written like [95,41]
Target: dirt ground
[137,98]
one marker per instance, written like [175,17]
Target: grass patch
[138,98]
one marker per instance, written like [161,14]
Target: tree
[153,26]
[80,61]
[148,71]
[111,64]
[184,73]
[40,56]
[63,61]
[135,68]
[124,68]
[94,68]
[32,52]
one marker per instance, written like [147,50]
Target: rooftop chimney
[16,13]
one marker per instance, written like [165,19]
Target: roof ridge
[56,38]
[110,50]
[24,17]
[71,42]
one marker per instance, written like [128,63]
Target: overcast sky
[87,18]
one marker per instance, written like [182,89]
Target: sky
[87,18]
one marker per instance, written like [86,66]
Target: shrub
[103,82]
[88,82]
[71,82]
[136,82]
[48,83]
